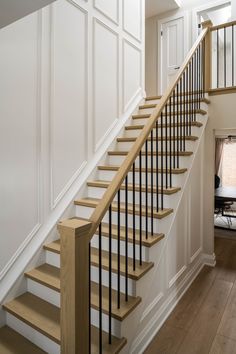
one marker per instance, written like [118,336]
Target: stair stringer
[160,293]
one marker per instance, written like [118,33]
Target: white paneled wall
[69,73]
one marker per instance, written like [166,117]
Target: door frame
[197,11]
[185,16]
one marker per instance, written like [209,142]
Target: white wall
[69,74]
[221,116]
[187,7]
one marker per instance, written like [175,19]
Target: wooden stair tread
[151,98]
[105,184]
[137,274]
[133,139]
[149,242]
[124,153]
[50,276]
[141,126]
[37,313]
[45,318]
[12,342]
[93,202]
[116,168]
[154,105]
[182,112]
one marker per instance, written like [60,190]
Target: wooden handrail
[223,25]
[126,166]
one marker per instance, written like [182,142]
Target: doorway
[172,47]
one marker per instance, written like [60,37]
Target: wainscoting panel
[105,85]
[68,96]
[109,8]
[132,19]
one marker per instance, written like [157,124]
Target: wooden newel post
[208,55]
[74,286]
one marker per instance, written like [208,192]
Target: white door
[172,50]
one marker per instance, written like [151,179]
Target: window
[229,164]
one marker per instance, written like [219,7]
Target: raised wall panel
[105,86]
[131,72]
[110,8]
[19,134]
[195,209]
[132,23]
[69,97]
[177,246]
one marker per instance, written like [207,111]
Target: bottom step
[12,342]
[45,318]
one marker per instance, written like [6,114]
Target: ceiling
[156,7]
[13,10]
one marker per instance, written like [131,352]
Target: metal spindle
[162,165]
[152,211]
[126,238]
[140,208]
[174,129]
[157,167]
[110,272]
[134,216]
[225,62]
[170,141]
[177,109]
[166,143]
[146,188]
[100,288]
[118,249]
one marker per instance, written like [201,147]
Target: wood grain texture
[203,330]
[159,153]
[93,203]
[141,126]
[12,342]
[105,184]
[49,276]
[179,113]
[223,345]
[132,139]
[176,171]
[37,313]
[228,324]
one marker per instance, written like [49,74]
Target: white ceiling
[156,7]
[13,10]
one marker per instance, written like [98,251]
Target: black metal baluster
[118,249]
[170,140]
[152,211]
[134,216]
[225,70]
[110,271]
[174,130]
[146,188]
[89,309]
[100,288]
[195,86]
[162,165]
[232,55]
[140,208]
[157,167]
[181,116]
[166,143]
[177,123]
[185,109]
[217,56]
[126,238]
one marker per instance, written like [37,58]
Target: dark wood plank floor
[204,321]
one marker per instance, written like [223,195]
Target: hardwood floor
[204,321]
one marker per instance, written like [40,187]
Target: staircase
[156,150]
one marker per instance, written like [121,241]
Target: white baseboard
[159,317]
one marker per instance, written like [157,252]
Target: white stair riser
[53,297]
[184,161]
[105,247]
[180,107]
[159,224]
[177,179]
[95,192]
[33,335]
[55,261]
